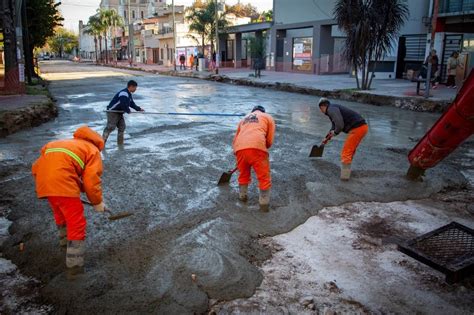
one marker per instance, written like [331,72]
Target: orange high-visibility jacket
[67,167]
[255,131]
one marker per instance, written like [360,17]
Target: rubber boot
[105,136]
[75,259]
[264,200]
[120,138]
[243,193]
[62,235]
[345,171]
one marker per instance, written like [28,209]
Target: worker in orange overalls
[64,169]
[348,121]
[251,143]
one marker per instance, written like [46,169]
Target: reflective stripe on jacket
[67,167]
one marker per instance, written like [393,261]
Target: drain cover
[449,249]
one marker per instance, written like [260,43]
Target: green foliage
[201,17]
[243,10]
[43,18]
[265,16]
[63,41]
[371,26]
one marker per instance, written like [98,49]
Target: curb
[29,116]
[404,102]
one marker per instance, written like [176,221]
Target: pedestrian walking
[252,140]
[182,62]
[452,66]
[120,104]
[191,61]
[348,121]
[63,170]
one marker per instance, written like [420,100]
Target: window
[161,54]
[141,14]
[125,14]
[302,53]
[133,14]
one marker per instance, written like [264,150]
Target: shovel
[112,216]
[226,176]
[317,151]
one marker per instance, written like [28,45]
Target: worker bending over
[252,140]
[348,121]
[64,169]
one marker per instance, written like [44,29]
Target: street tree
[94,28]
[43,17]
[63,41]
[110,20]
[371,27]
[257,46]
[202,19]
[243,10]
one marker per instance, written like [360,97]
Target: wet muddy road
[166,174]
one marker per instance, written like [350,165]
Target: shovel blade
[225,178]
[119,216]
[317,151]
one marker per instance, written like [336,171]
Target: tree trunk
[202,43]
[356,75]
[100,48]
[12,80]
[95,44]
[106,51]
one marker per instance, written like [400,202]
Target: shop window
[302,54]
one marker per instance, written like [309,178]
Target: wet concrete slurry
[166,173]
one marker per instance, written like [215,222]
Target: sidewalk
[385,92]
[24,111]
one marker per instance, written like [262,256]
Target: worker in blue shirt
[119,105]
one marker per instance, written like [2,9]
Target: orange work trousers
[69,211]
[352,142]
[259,161]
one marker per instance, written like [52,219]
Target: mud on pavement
[166,174]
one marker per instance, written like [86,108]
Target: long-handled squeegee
[179,114]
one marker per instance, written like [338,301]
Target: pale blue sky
[75,10]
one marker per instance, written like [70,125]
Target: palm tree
[202,21]
[95,29]
[104,17]
[371,26]
[111,21]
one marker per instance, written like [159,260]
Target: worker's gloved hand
[99,207]
[328,137]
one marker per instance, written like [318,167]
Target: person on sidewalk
[348,121]
[120,104]
[182,62]
[64,169]
[191,61]
[452,66]
[252,140]
[434,60]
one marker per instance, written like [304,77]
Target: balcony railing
[455,6]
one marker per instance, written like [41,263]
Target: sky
[75,10]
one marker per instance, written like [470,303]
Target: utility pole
[434,18]
[130,36]
[217,37]
[174,36]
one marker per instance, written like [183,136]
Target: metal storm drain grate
[449,249]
